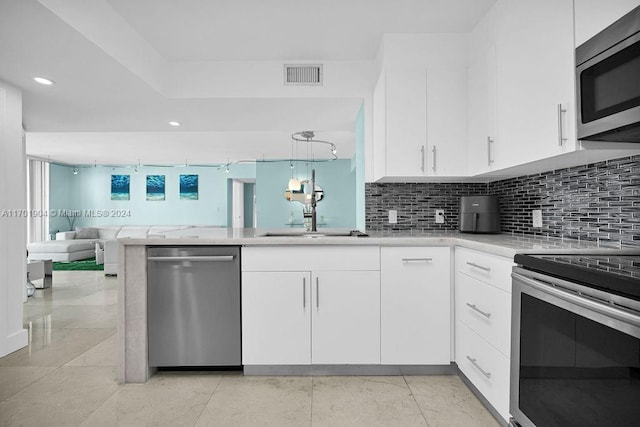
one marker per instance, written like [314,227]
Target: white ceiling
[124,68]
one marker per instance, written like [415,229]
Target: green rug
[85,264]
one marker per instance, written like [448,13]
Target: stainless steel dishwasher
[193,306]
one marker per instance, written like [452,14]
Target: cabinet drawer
[485,367]
[306,258]
[492,269]
[486,310]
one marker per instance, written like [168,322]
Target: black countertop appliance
[479,214]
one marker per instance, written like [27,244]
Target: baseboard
[305,370]
[16,341]
[493,411]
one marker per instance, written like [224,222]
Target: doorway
[243,203]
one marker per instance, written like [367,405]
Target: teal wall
[358,164]
[90,189]
[337,179]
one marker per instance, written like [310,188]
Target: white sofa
[68,247]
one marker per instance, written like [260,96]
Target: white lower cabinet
[276,326]
[486,367]
[316,315]
[483,323]
[345,317]
[415,305]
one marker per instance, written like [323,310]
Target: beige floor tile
[165,400]
[15,378]
[364,401]
[72,316]
[64,397]
[55,347]
[259,401]
[103,354]
[447,401]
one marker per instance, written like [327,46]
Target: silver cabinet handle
[405,260]
[317,293]
[304,292]
[474,363]
[473,264]
[561,139]
[433,150]
[191,258]
[473,307]
[422,158]
[489,142]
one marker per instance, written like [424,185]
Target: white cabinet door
[406,127]
[535,80]
[379,128]
[415,305]
[446,101]
[346,317]
[276,318]
[481,132]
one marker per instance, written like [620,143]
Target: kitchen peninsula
[399,294]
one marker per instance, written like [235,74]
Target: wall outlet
[439,216]
[536,216]
[393,217]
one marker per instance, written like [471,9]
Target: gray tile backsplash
[596,202]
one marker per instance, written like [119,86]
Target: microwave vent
[303,75]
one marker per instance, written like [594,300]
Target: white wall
[13,223]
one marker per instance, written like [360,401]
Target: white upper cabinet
[482,141]
[420,107]
[521,84]
[593,16]
[536,106]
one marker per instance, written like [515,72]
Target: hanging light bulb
[294,184]
[227,169]
[75,170]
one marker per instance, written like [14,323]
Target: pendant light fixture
[294,183]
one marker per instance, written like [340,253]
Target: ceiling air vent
[303,75]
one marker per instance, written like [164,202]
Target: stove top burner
[615,273]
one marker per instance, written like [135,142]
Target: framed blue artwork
[155,187]
[188,187]
[120,187]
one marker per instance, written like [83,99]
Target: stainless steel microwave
[608,82]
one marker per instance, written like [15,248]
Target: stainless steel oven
[575,353]
[608,86]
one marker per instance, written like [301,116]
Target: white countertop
[499,244]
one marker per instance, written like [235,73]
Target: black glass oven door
[571,365]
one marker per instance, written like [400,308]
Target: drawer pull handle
[304,292]
[473,264]
[474,363]
[405,260]
[473,307]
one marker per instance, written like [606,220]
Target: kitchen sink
[315,234]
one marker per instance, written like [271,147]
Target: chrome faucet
[314,221]
[309,211]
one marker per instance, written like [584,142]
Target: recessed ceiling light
[44,81]
[174,123]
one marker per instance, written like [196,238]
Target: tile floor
[67,377]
